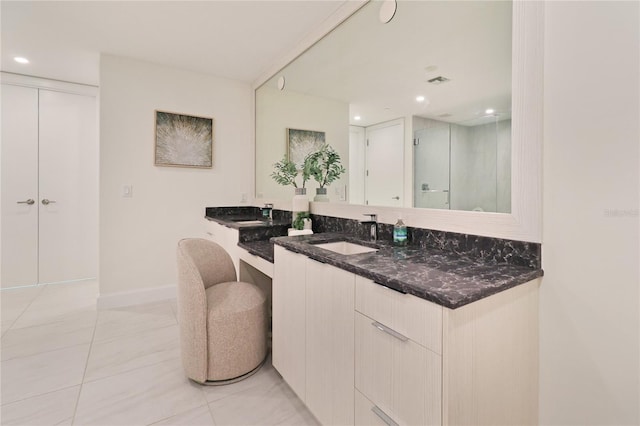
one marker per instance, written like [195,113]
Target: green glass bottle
[400,233]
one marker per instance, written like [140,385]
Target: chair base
[235,379]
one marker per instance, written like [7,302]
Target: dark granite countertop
[234,222]
[442,277]
[261,248]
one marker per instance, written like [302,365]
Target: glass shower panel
[432,166]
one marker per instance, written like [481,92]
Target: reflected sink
[345,247]
[250,222]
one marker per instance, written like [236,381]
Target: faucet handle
[374,217]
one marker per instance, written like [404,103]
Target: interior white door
[19,186]
[68,156]
[384,181]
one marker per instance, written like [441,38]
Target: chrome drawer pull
[385,418]
[390,331]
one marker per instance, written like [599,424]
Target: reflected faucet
[373,222]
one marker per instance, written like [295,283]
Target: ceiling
[233,39]
[380,69]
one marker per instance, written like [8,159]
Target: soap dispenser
[400,233]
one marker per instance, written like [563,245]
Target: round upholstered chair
[223,322]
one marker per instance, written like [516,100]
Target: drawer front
[415,318]
[212,230]
[368,414]
[417,385]
[373,362]
[399,377]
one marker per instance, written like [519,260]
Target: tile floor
[65,363]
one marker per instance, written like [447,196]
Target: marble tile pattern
[66,363]
[490,250]
[440,276]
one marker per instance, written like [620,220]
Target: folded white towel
[292,232]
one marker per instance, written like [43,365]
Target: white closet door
[384,182]
[68,187]
[19,184]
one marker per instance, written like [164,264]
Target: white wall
[138,235]
[589,354]
[280,110]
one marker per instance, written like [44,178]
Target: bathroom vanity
[404,335]
[366,333]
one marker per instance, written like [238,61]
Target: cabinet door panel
[289,318]
[330,343]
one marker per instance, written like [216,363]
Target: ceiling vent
[438,80]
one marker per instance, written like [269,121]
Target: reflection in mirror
[462,167]
[419,109]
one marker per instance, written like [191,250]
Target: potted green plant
[300,220]
[325,167]
[285,173]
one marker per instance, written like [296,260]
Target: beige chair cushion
[236,329]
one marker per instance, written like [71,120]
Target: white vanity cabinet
[313,340]
[359,353]
[398,360]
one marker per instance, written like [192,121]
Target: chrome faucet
[373,222]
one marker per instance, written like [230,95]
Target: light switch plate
[127,191]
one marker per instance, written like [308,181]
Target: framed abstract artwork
[301,143]
[183,140]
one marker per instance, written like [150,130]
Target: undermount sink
[345,247]
[250,222]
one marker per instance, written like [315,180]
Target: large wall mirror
[420,108]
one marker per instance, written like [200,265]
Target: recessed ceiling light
[489,111]
[21,60]
[420,98]
[357,117]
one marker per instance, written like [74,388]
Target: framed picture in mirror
[301,143]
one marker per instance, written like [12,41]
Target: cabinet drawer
[212,229]
[367,413]
[415,318]
[400,377]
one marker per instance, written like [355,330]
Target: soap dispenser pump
[400,233]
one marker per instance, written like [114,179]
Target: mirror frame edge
[524,223]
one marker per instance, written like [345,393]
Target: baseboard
[136,297]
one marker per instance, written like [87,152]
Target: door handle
[47,202]
[397,197]
[389,331]
[383,416]
[29,201]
